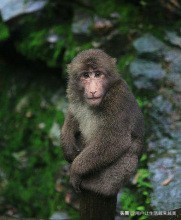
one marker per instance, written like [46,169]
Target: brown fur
[102,142]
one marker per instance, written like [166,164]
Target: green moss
[123,65]
[28,157]
[105,8]
[4,32]
[36,45]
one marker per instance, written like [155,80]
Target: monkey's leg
[109,181]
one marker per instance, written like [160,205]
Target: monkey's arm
[68,137]
[103,151]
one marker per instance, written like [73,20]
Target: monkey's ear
[114,60]
[68,68]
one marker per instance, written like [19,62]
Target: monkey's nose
[93,93]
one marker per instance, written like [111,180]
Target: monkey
[102,135]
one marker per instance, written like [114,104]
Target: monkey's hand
[75,180]
[70,152]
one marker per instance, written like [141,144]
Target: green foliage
[33,44]
[143,175]
[28,157]
[123,64]
[73,49]
[105,8]
[137,198]
[129,201]
[138,16]
[142,102]
[125,61]
[4,32]
[129,15]
[129,18]
[36,45]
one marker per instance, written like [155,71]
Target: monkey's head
[90,74]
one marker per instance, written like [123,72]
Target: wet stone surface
[164,139]
[12,8]
[148,44]
[82,23]
[173,58]
[173,38]
[146,73]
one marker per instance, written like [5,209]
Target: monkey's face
[94,84]
[91,73]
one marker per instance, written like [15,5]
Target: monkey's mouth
[95,98]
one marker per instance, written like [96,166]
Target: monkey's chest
[89,122]
[88,126]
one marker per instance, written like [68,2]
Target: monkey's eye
[85,74]
[97,73]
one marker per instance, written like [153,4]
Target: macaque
[102,136]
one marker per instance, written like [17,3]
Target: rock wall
[157,71]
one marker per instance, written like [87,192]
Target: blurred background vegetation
[37,40]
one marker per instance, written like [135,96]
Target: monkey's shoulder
[121,95]
[124,104]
